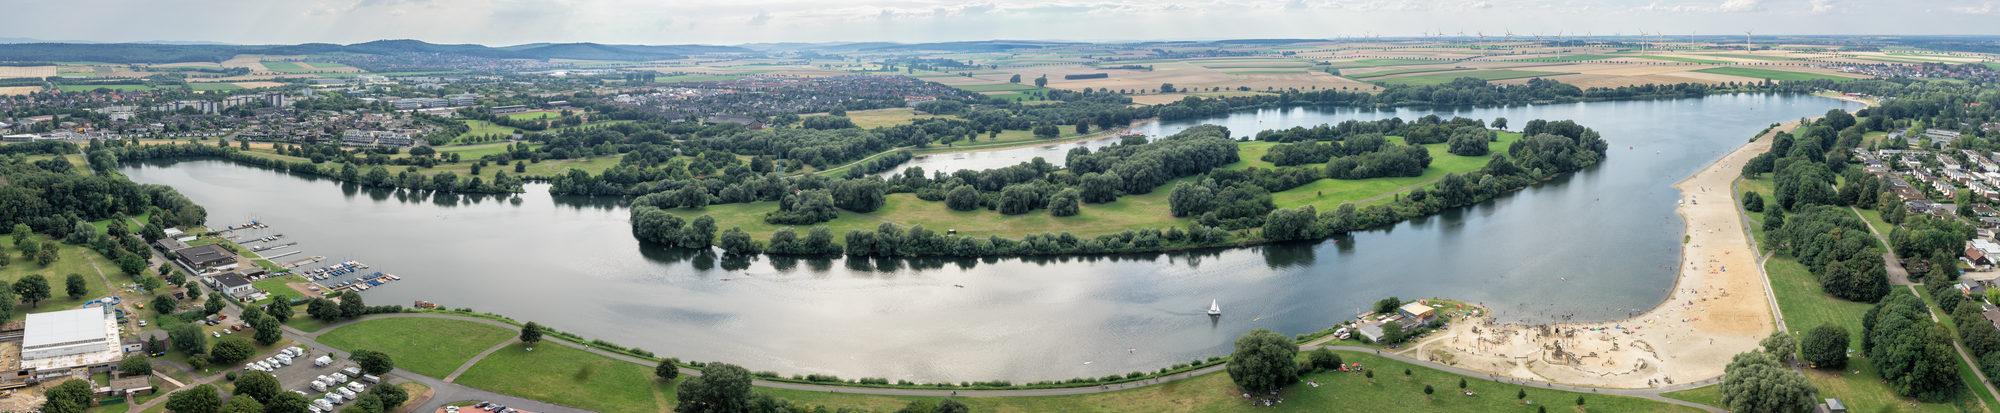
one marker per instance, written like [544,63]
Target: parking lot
[300,375]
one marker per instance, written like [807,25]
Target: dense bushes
[1913,354]
[1836,245]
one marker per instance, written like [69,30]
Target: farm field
[1683,59]
[1447,77]
[119,88]
[1778,75]
[285,67]
[1000,87]
[876,118]
[1400,71]
[1564,59]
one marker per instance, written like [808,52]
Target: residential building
[230,283]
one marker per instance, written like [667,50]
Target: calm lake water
[572,263]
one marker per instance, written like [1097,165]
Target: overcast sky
[507,22]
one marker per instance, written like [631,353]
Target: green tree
[214,304]
[1042,81]
[373,362]
[279,309]
[531,333]
[1263,361]
[289,402]
[351,306]
[189,339]
[257,384]
[32,288]
[1825,346]
[242,405]
[197,399]
[1014,79]
[1780,345]
[75,286]
[1754,382]
[73,391]
[231,350]
[1064,203]
[269,330]
[1324,359]
[666,370]
[390,395]
[136,365]
[164,304]
[722,388]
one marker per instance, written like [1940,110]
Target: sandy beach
[1720,306]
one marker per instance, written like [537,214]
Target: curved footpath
[448,392]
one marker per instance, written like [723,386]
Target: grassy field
[204,87]
[1749,57]
[1402,71]
[1778,75]
[1709,395]
[428,346]
[285,67]
[326,65]
[1684,59]
[999,87]
[1338,392]
[1266,72]
[871,119]
[591,124]
[1382,62]
[1565,59]
[119,88]
[565,375]
[1129,212]
[1327,194]
[71,260]
[1804,306]
[481,128]
[276,286]
[1447,77]
[480,150]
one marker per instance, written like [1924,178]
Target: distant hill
[170,53]
[974,46]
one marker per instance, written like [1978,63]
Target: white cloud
[1982,8]
[1822,6]
[761,18]
[1739,5]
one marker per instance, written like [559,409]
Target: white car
[217,334]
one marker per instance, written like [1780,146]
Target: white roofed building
[57,343]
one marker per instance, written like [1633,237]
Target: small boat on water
[1214,308]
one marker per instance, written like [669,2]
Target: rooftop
[64,327]
[231,280]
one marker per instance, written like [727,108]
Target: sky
[508,22]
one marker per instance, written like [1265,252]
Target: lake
[572,263]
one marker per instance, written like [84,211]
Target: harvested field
[209,65]
[29,71]
[18,90]
[258,84]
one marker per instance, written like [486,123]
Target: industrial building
[60,344]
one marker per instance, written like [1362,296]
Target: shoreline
[1713,312]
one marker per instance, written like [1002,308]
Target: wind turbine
[1482,42]
[1746,42]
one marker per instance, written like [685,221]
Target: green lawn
[1442,78]
[1327,194]
[1402,71]
[565,375]
[479,150]
[326,65]
[1563,59]
[1684,59]
[1709,395]
[1804,306]
[285,67]
[1778,75]
[1338,392]
[871,119]
[999,87]
[276,285]
[210,86]
[70,260]
[481,128]
[429,346]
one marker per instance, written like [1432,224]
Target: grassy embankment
[1778,75]
[428,346]
[1138,211]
